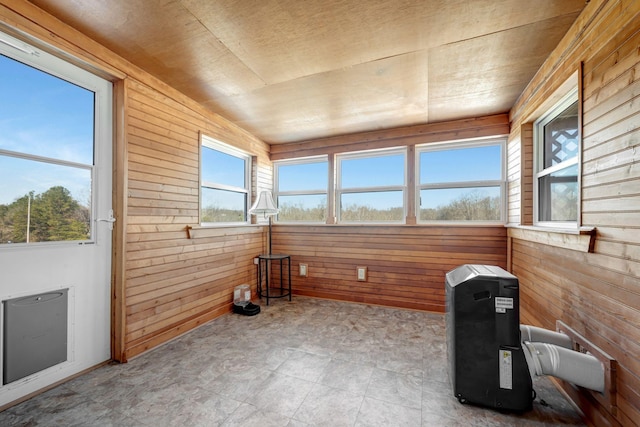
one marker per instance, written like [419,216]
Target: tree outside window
[371,186]
[301,189]
[461,181]
[46,155]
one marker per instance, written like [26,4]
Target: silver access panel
[34,334]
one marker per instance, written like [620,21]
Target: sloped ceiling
[295,70]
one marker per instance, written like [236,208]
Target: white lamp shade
[264,205]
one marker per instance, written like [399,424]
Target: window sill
[200,231]
[390,225]
[581,239]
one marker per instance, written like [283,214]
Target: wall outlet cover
[362,273]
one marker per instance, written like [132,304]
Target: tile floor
[300,363]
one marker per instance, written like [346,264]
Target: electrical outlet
[303,270]
[362,273]
[255,261]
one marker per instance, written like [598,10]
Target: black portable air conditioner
[487,365]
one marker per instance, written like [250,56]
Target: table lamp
[265,206]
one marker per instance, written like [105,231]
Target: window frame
[55,66]
[461,144]
[216,145]
[314,192]
[339,190]
[540,172]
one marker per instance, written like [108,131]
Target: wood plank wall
[598,293]
[174,283]
[164,283]
[163,277]
[405,264]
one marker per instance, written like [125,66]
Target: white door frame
[82,267]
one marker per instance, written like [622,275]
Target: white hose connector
[572,366]
[535,334]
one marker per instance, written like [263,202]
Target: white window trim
[214,144]
[314,192]
[538,126]
[363,155]
[453,145]
[103,97]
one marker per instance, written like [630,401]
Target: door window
[46,156]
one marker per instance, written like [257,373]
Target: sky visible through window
[464,164]
[45,116]
[222,168]
[461,164]
[380,172]
[305,176]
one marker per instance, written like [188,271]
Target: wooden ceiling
[295,70]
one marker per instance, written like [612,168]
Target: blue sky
[437,166]
[43,115]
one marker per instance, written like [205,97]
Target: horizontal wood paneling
[164,283]
[598,293]
[173,282]
[558,284]
[405,264]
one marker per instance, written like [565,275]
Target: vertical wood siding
[596,293]
[406,265]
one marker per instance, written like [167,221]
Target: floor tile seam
[366,390]
[99,402]
[389,403]
[83,396]
[234,411]
[394,403]
[301,402]
[293,417]
[288,376]
[421,376]
[298,378]
[298,349]
[131,417]
[211,393]
[364,397]
[247,399]
[255,408]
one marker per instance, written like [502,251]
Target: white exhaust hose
[535,334]
[570,365]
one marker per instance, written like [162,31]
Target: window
[225,177]
[301,189]
[371,186]
[50,114]
[557,145]
[461,181]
